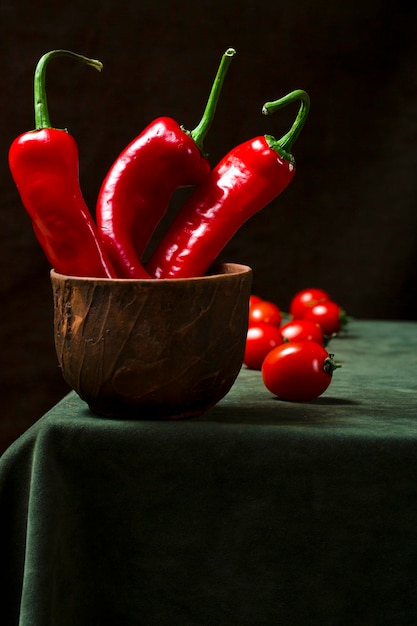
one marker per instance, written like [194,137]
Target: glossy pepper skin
[136,192]
[137,189]
[247,179]
[44,166]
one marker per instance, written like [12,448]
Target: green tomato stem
[330,364]
[344,319]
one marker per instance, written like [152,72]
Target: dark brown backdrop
[347,222]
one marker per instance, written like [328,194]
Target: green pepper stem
[283,146]
[40,100]
[200,131]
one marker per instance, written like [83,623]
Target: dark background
[347,222]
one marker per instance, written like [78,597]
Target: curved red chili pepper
[44,166]
[244,181]
[139,185]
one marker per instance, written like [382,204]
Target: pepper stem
[40,100]
[283,146]
[200,131]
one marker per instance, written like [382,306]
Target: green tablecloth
[260,512]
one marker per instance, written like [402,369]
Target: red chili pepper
[138,187]
[244,181]
[44,166]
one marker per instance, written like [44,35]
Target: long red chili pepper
[244,181]
[44,166]
[139,185]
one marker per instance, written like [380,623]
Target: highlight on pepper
[44,166]
[246,180]
[131,202]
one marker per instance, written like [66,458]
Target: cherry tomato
[329,315]
[298,370]
[266,312]
[254,299]
[302,330]
[306,298]
[261,339]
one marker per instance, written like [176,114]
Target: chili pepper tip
[297,94]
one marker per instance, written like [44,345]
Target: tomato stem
[330,364]
[328,338]
[344,319]
[42,119]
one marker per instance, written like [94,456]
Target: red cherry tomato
[329,315]
[306,298]
[302,330]
[254,299]
[298,371]
[261,339]
[266,312]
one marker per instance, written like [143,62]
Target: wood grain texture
[347,223]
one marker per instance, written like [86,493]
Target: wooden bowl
[149,349]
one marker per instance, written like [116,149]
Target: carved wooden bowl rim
[214,273]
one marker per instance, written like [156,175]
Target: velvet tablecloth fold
[258,513]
